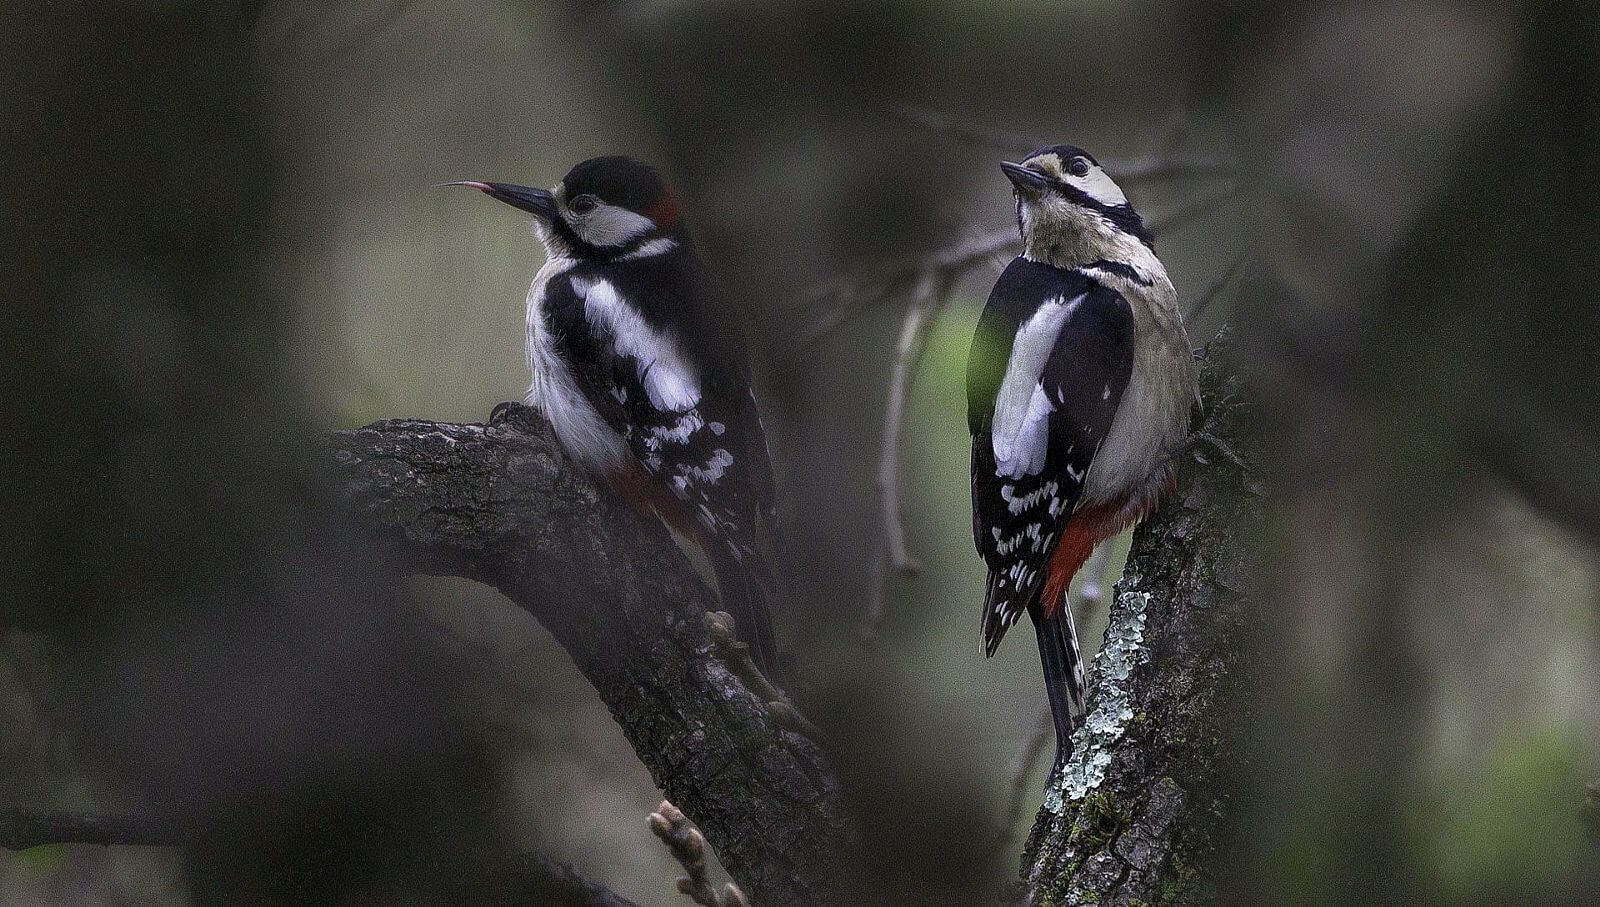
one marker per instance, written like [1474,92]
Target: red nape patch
[665,211]
[1086,529]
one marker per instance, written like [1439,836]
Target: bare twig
[934,121]
[848,296]
[1221,447]
[554,883]
[1092,593]
[925,302]
[1591,811]
[688,847]
[1021,773]
[20,830]
[1162,163]
[844,298]
[1204,300]
[547,880]
[292,43]
[1194,210]
[927,299]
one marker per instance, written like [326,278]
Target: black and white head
[1070,211]
[604,208]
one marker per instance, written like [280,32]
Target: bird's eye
[1079,167]
[583,204]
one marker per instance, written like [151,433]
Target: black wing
[1022,499]
[706,447]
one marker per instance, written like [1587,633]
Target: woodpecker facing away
[1079,392]
[645,380]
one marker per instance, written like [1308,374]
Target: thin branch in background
[912,343]
[1092,593]
[863,290]
[934,121]
[1204,300]
[556,883]
[20,830]
[688,847]
[926,300]
[849,296]
[1194,210]
[293,41]
[1591,811]
[548,881]
[1021,773]
[1170,166]
[1162,163]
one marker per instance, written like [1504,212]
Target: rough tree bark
[1135,816]
[503,505]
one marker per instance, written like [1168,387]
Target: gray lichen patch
[1123,651]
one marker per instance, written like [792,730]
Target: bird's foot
[513,412]
[1220,446]
[736,655]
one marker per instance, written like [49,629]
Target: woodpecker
[1080,387]
[643,377]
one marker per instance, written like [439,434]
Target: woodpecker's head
[1070,211]
[603,208]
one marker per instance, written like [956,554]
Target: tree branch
[21,829]
[502,504]
[1161,164]
[1132,816]
[531,878]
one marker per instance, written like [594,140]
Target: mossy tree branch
[502,504]
[1134,816]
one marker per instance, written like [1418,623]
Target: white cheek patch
[1019,431]
[609,226]
[669,378]
[1098,185]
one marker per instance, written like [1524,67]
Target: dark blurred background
[224,241]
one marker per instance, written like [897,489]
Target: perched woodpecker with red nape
[644,378]
[1079,392]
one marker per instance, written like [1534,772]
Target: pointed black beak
[537,202]
[1027,179]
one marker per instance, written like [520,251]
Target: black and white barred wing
[1051,357]
[679,422]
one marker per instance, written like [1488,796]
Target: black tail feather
[1063,672]
[746,598]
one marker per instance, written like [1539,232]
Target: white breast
[586,437]
[1152,419]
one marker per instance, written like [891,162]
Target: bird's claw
[509,411]
[789,718]
[1220,446]
[736,655]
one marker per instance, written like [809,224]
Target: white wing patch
[669,378]
[1019,430]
